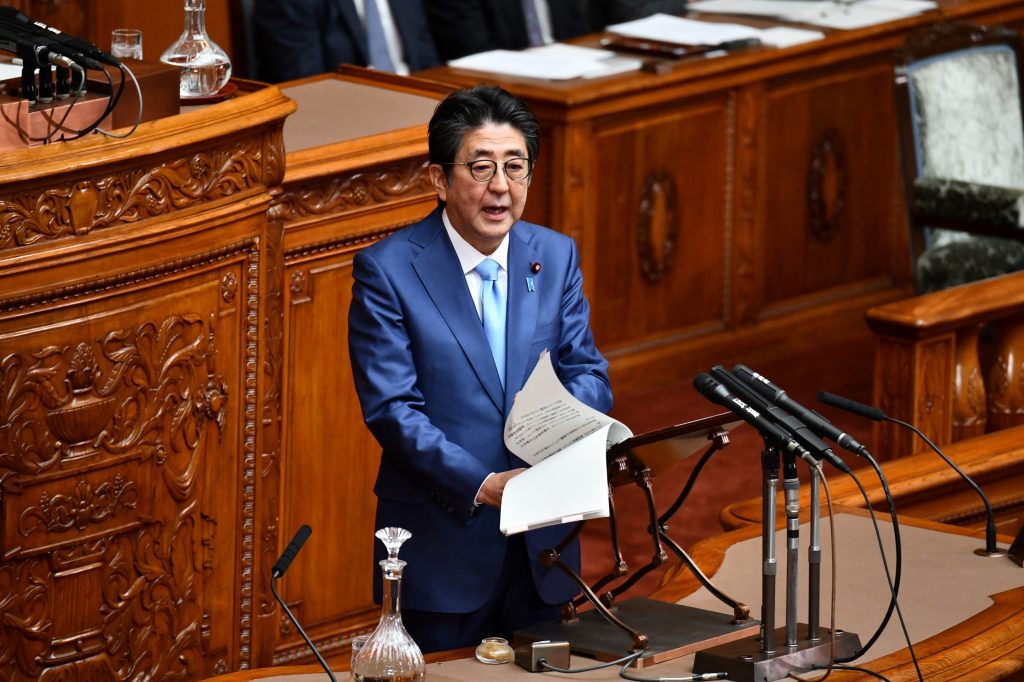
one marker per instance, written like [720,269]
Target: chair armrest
[968,206]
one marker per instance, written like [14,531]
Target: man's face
[483,212]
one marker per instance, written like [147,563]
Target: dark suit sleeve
[580,367]
[393,406]
[616,11]
[418,46]
[289,38]
[461,28]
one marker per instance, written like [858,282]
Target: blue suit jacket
[430,394]
[297,38]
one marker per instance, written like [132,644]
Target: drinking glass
[126,42]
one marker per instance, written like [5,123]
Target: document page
[566,443]
[546,418]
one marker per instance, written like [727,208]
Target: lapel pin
[535,268]
[529,283]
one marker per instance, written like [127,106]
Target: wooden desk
[734,209]
[136,290]
[964,635]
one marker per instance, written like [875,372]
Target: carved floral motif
[356,190]
[657,227]
[78,208]
[827,186]
[86,505]
[149,391]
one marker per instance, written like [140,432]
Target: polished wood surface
[948,362]
[924,486]
[138,410]
[734,208]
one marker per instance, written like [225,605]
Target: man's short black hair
[471,108]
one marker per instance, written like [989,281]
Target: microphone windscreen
[853,406]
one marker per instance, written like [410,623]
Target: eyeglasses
[483,170]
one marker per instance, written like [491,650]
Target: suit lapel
[441,274]
[355,25]
[522,309]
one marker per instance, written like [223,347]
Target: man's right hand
[494,486]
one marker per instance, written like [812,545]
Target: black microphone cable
[138,116]
[871,412]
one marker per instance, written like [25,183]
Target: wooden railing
[949,362]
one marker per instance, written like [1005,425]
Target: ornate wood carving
[657,227]
[1006,376]
[969,404]
[93,585]
[827,187]
[356,190]
[79,207]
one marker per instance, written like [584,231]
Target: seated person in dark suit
[462,27]
[606,12]
[297,38]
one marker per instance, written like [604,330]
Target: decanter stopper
[393,538]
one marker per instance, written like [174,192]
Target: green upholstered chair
[959,102]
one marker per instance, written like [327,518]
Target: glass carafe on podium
[390,654]
[205,67]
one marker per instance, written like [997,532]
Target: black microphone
[714,391]
[280,566]
[799,431]
[818,424]
[872,412]
[285,560]
[78,49]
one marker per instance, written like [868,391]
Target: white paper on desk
[604,62]
[545,418]
[671,29]
[858,14]
[784,36]
[570,486]
[755,8]
[559,64]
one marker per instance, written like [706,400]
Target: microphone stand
[769,565]
[814,561]
[791,490]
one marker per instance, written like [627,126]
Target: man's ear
[440,182]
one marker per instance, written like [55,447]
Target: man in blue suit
[297,38]
[436,398]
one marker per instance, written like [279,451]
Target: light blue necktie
[376,41]
[533,32]
[492,303]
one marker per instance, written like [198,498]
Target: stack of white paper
[670,29]
[843,14]
[557,61]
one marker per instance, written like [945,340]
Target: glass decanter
[205,67]
[390,654]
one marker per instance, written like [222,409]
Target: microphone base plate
[745,662]
[981,551]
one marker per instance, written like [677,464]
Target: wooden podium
[975,634]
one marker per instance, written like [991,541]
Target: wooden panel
[333,458]
[829,176]
[659,179]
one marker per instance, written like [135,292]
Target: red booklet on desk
[658,48]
